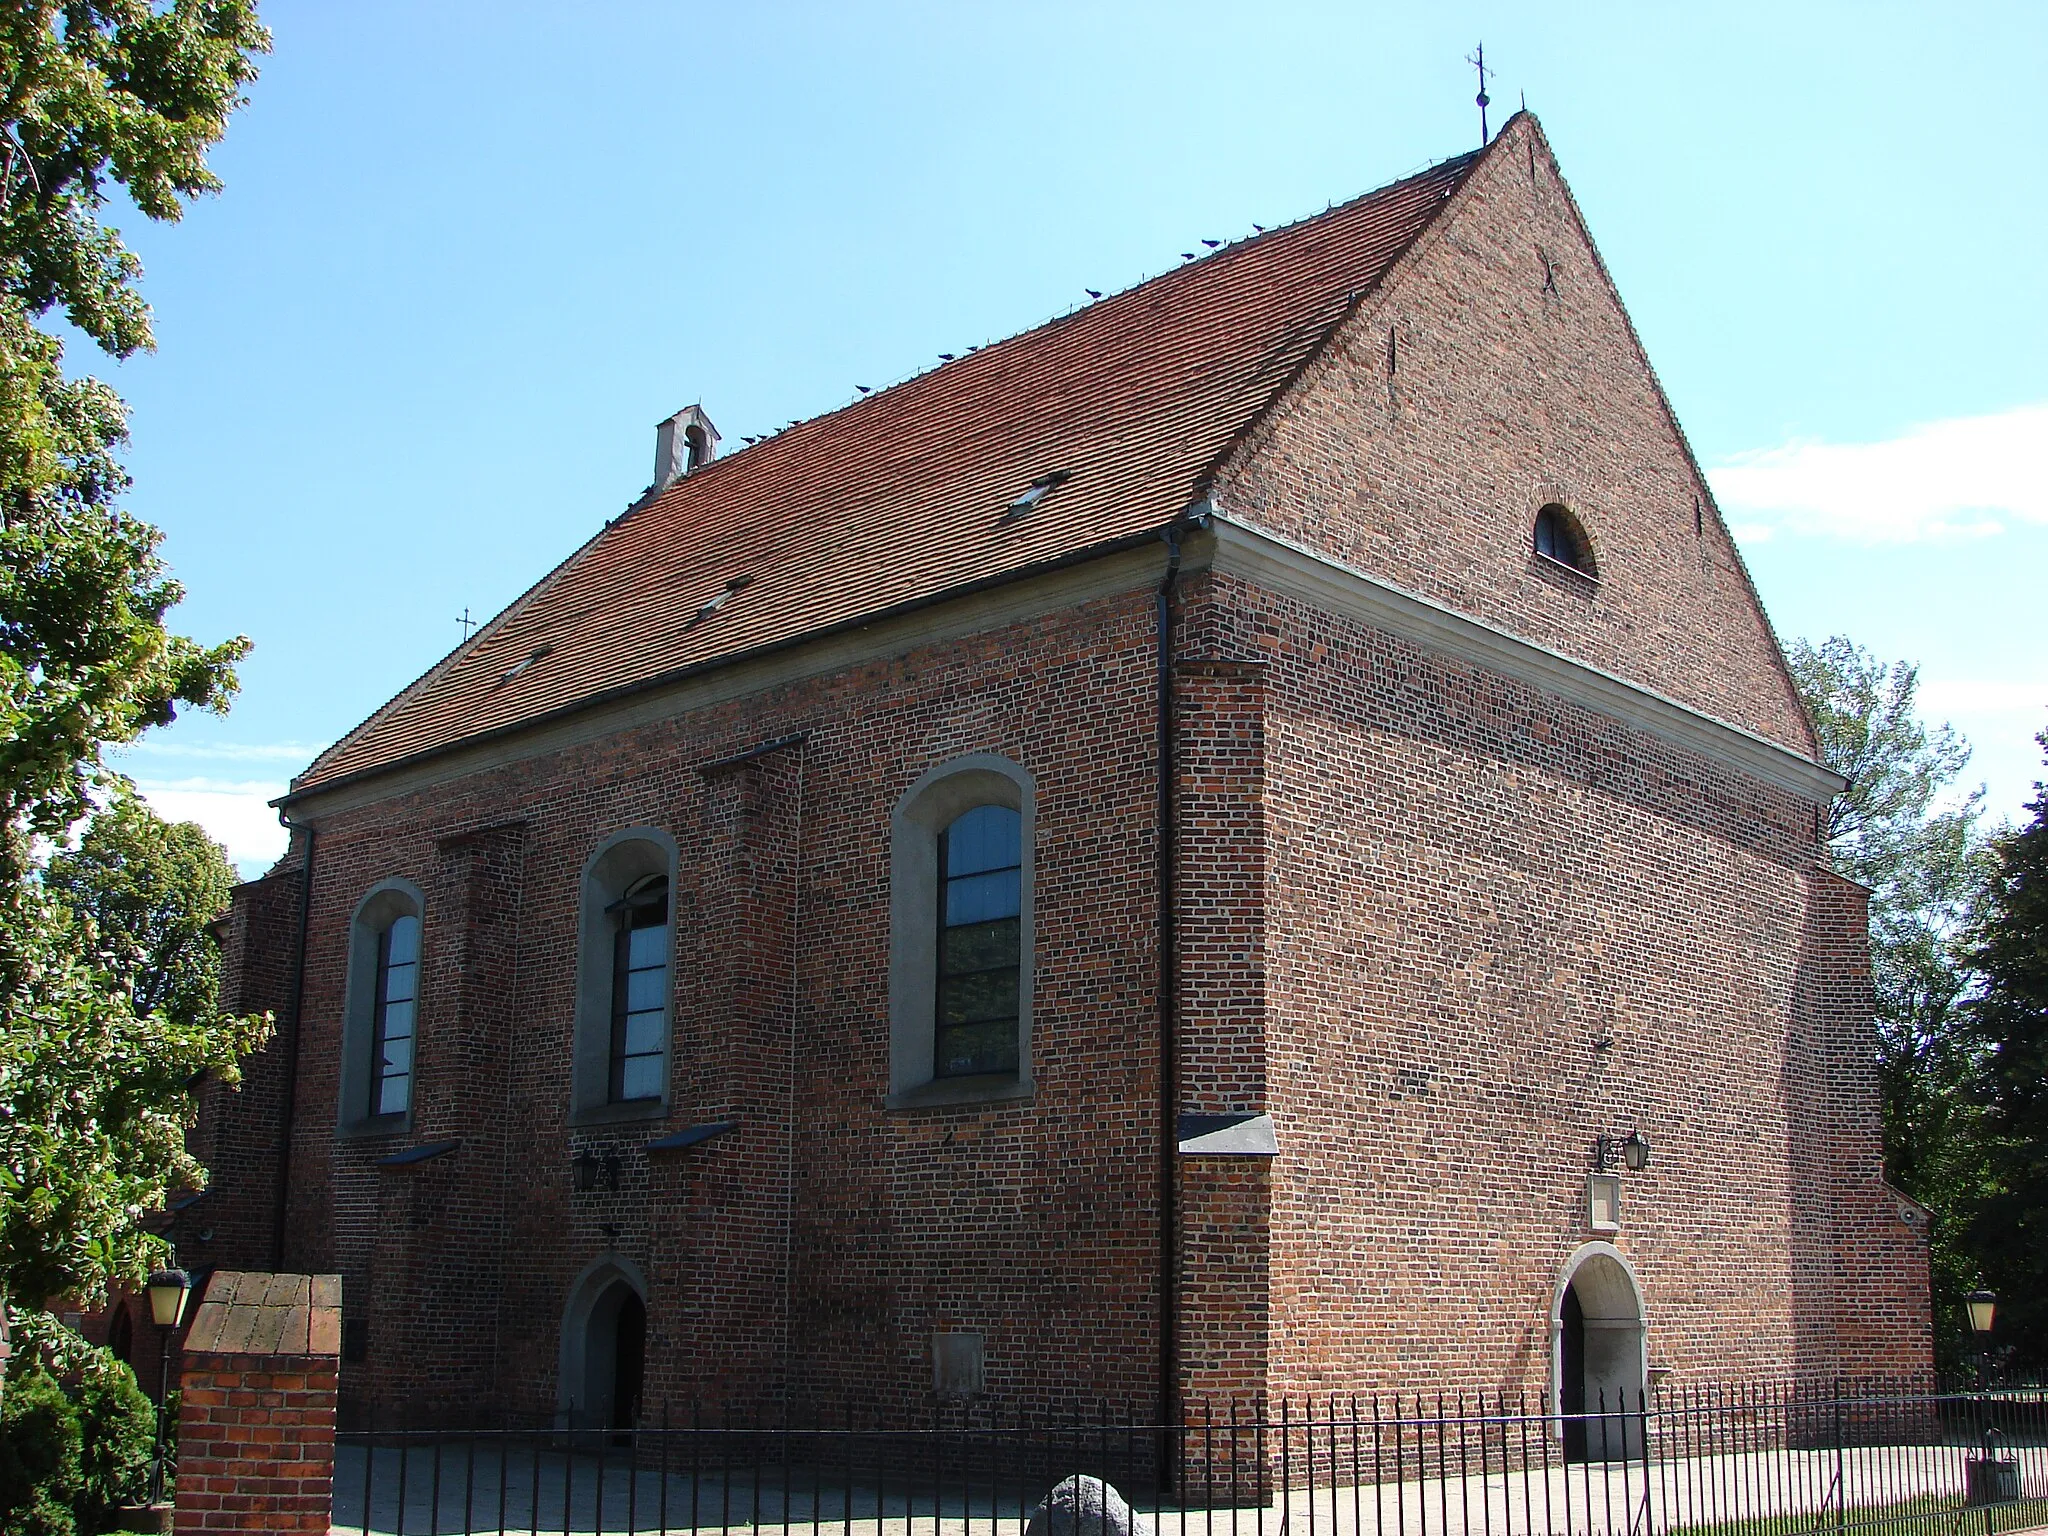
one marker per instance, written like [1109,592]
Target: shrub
[40,1441]
[70,1457]
[118,1426]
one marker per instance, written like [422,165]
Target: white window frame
[619,862]
[381,905]
[926,809]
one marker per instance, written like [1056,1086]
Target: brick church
[1254,838]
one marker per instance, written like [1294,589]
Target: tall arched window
[960,934]
[381,1017]
[976,991]
[639,990]
[393,1008]
[625,949]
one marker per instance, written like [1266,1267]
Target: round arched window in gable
[1559,537]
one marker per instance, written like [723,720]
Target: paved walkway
[1762,1494]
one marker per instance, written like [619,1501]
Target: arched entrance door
[1599,1358]
[604,1348]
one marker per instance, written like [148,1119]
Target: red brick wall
[1508,391]
[234,1224]
[256,1405]
[1472,883]
[1033,1224]
[256,1443]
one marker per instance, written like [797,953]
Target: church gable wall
[1498,926]
[1496,372]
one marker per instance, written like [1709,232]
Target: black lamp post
[1982,1309]
[1988,1479]
[168,1290]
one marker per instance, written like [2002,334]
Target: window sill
[627,1112]
[375,1126]
[1559,573]
[990,1088]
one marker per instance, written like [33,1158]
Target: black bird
[1187,255]
[1260,228]
[1212,244]
[945,357]
[1093,293]
[864,389]
[750,441]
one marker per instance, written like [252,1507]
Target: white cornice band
[1278,563]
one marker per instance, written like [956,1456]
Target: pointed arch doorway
[604,1347]
[1599,1355]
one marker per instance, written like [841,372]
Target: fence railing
[1744,1461]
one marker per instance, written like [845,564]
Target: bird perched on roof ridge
[1187,255]
[1260,228]
[864,389]
[945,357]
[1212,244]
[1093,293]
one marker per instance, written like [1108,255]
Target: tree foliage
[100,96]
[105,1019]
[1927,867]
[2009,949]
[151,890]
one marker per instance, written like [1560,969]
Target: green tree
[2010,1018]
[99,100]
[151,890]
[1927,868]
[99,95]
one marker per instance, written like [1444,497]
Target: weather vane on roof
[468,624]
[1478,61]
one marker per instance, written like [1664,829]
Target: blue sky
[469,253]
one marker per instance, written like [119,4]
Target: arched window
[381,1017]
[960,924]
[639,989]
[393,1008]
[625,943]
[1559,537]
[975,990]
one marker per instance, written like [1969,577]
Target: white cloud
[1983,696]
[225,751]
[235,813]
[1971,475]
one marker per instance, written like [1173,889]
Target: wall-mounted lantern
[594,1172]
[1631,1152]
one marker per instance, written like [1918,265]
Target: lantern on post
[168,1291]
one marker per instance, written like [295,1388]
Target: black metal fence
[1746,1461]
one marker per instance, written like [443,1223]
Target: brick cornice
[1282,565]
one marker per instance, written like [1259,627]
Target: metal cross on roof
[1478,61]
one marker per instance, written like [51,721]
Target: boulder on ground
[1085,1506]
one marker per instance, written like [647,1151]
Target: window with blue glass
[639,990]
[980,908]
[395,1011]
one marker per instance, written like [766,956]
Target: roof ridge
[898,496]
[1465,160]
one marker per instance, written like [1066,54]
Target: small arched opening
[1598,1356]
[604,1347]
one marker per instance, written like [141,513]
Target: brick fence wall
[256,1416]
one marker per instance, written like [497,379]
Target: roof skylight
[524,662]
[1037,491]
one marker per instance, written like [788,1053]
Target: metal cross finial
[1478,61]
[468,624]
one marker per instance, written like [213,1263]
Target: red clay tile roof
[900,497]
